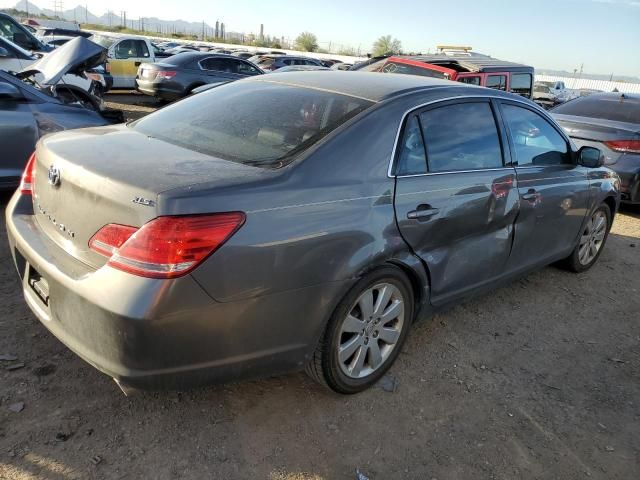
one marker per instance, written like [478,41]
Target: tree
[386,44]
[307,42]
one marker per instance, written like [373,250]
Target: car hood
[75,56]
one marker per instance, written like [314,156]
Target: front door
[456,201]
[125,57]
[554,191]
[18,136]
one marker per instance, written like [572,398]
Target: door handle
[423,211]
[531,195]
[138,64]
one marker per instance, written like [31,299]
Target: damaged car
[39,100]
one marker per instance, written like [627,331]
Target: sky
[601,35]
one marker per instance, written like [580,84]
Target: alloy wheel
[592,238]
[371,330]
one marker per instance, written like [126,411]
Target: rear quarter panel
[326,218]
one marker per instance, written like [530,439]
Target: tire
[591,242]
[369,344]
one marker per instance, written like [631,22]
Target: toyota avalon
[302,220]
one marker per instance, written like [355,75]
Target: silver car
[300,220]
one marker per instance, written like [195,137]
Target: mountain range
[81,15]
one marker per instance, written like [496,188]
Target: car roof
[474,62]
[634,97]
[195,55]
[372,86]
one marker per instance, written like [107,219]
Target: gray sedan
[179,75]
[611,123]
[300,220]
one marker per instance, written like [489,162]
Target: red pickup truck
[461,66]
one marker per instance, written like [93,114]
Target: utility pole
[57,8]
[86,13]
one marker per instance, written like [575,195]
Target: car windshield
[254,123]
[609,107]
[17,47]
[105,42]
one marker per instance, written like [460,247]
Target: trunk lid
[597,129]
[75,57]
[88,178]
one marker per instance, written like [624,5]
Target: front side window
[412,159]
[131,49]
[498,82]
[462,136]
[244,68]
[535,140]
[254,123]
[475,80]
[521,84]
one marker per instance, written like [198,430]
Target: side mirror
[8,91]
[590,157]
[4,52]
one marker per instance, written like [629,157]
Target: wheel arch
[610,202]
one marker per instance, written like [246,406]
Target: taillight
[624,146]
[110,238]
[28,176]
[166,247]
[166,74]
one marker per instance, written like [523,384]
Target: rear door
[125,58]
[553,190]
[456,199]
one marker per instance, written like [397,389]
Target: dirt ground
[540,380]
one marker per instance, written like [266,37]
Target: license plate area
[39,285]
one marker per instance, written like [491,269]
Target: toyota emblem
[54,176]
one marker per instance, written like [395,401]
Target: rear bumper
[158,334]
[159,90]
[629,182]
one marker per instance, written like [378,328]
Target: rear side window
[412,159]
[521,84]
[609,107]
[254,123]
[498,82]
[535,140]
[219,65]
[461,137]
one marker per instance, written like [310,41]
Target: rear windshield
[254,123]
[105,42]
[391,66]
[264,61]
[610,107]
